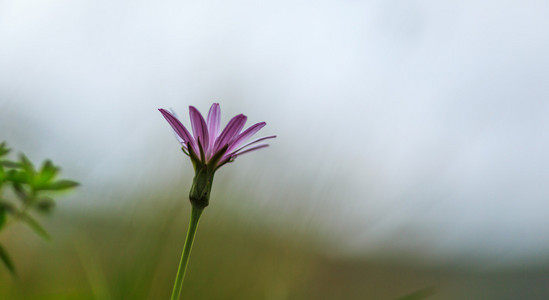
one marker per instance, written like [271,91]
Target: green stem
[195,216]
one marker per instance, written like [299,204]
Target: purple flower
[209,145]
[209,148]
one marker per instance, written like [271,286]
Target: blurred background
[411,158]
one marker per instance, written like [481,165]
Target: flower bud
[202,186]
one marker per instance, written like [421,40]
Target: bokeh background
[411,158]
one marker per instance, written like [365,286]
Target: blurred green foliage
[30,190]
[132,253]
[109,258]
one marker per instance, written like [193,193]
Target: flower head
[209,148]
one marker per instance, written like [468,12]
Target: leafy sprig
[31,191]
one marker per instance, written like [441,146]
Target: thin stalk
[193,224]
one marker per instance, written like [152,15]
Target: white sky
[414,125]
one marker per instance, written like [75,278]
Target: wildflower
[209,148]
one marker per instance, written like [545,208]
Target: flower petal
[200,130]
[246,134]
[253,142]
[181,141]
[179,129]
[229,157]
[233,128]
[214,122]
[251,149]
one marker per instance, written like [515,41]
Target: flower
[209,148]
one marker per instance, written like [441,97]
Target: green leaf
[9,164]
[7,260]
[26,163]
[4,149]
[17,176]
[47,172]
[60,185]
[35,226]
[28,169]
